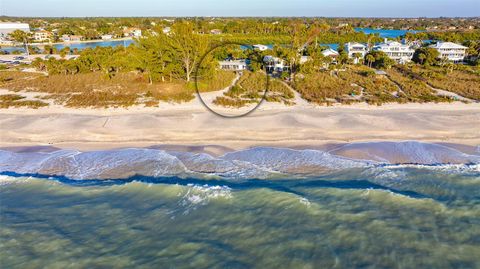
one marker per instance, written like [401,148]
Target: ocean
[395,205]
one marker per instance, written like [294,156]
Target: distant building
[353,49]
[72,38]
[132,32]
[233,65]
[397,51]
[260,47]
[42,35]
[166,30]
[106,37]
[274,64]
[215,32]
[6,28]
[451,51]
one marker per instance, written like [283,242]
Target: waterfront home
[450,51]
[6,28]
[106,37]
[233,65]
[397,51]
[132,32]
[356,51]
[42,35]
[72,38]
[274,64]
[260,47]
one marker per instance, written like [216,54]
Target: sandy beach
[191,124]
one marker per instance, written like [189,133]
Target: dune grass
[96,90]
[462,80]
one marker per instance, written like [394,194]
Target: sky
[227,8]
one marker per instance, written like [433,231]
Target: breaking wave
[379,159]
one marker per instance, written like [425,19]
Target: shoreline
[190,124]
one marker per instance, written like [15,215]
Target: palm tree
[370,59]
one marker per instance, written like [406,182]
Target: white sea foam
[261,162]
[201,195]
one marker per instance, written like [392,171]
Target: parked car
[19,58]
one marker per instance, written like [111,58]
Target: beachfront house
[356,51]
[397,51]
[274,64]
[260,47]
[42,36]
[233,65]
[451,51]
[6,28]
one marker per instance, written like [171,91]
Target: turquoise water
[258,208]
[384,33]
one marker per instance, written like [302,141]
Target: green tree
[20,36]
[189,48]
[381,59]
[426,56]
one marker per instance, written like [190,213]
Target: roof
[392,44]
[355,44]
[329,52]
[225,62]
[447,45]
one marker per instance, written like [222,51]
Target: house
[215,32]
[451,51]
[274,64]
[106,37]
[72,38]
[166,30]
[356,51]
[397,51]
[233,65]
[132,32]
[42,35]
[330,53]
[260,47]
[6,28]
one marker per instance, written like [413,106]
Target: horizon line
[247,16]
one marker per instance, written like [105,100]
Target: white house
[133,32]
[353,49]
[107,37]
[215,31]
[274,64]
[72,38]
[397,51]
[260,47]
[166,30]
[6,28]
[42,35]
[451,51]
[233,65]
[330,53]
